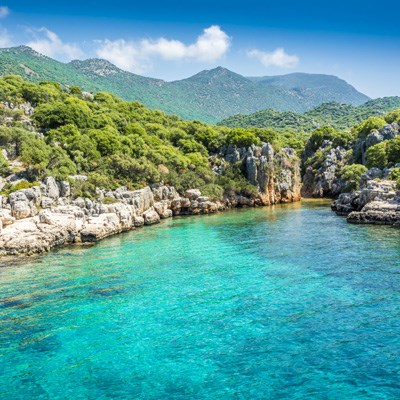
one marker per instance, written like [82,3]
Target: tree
[242,138]
[35,155]
[393,150]
[352,174]
[377,156]
[71,111]
[365,128]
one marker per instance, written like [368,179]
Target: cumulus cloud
[48,43]
[5,38]
[124,55]
[4,11]
[211,45]
[276,58]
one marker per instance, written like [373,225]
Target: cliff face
[325,181]
[276,175]
[322,166]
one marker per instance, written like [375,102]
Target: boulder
[64,188]
[100,227]
[6,217]
[151,217]
[50,188]
[46,202]
[192,194]
[138,221]
[21,210]
[162,209]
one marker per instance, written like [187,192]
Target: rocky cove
[37,219]
[42,217]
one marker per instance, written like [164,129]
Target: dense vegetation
[115,142]
[208,96]
[339,116]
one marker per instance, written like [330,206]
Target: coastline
[84,222]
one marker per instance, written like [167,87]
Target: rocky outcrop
[324,180]
[388,132]
[275,175]
[378,202]
[37,219]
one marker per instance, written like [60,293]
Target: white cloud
[5,38]
[276,58]
[124,55]
[4,11]
[211,45]
[48,43]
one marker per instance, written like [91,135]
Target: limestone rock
[162,209]
[151,217]
[192,194]
[50,188]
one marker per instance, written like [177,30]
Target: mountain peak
[23,50]
[98,66]
[218,74]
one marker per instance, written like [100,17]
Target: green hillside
[314,89]
[114,142]
[339,116]
[208,96]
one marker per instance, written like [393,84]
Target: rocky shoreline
[38,219]
[378,202]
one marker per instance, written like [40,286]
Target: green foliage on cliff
[384,154]
[328,133]
[352,174]
[372,123]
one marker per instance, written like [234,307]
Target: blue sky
[358,41]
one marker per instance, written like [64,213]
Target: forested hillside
[339,116]
[46,129]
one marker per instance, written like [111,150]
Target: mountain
[340,116]
[315,88]
[208,96]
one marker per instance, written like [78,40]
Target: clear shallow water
[286,302]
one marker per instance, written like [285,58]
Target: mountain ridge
[209,96]
[339,116]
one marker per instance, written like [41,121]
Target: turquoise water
[287,302]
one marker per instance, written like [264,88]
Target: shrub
[352,174]
[377,156]
[9,188]
[393,116]
[395,174]
[365,128]
[393,150]
[110,200]
[242,138]
[213,191]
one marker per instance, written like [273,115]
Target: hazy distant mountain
[316,88]
[208,96]
[340,116]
